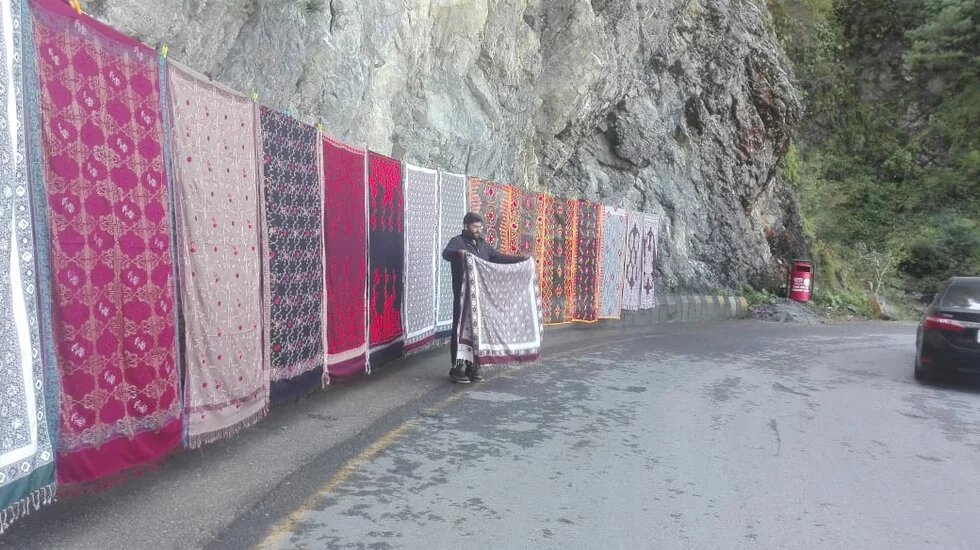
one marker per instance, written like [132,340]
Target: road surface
[734,435]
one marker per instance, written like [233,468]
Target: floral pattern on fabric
[216,180]
[293,252]
[111,252]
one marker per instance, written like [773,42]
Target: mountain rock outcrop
[682,108]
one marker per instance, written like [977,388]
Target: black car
[948,341]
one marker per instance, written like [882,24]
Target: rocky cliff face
[677,107]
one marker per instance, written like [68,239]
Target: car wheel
[921,374]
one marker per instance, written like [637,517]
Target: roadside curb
[689,309]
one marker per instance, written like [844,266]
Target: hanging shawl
[345,258]
[491,200]
[107,197]
[524,217]
[557,236]
[27,433]
[632,281]
[612,263]
[651,226]
[452,208]
[500,319]
[421,257]
[293,254]
[215,174]
[387,258]
[588,222]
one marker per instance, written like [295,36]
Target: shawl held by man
[345,258]
[452,208]
[421,259]
[215,173]
[612,263]
[491,200]
[557,244]
[633,274]
[500,318]
[293,256]
[109,214]
[27,478]
[588,223]
[648,272]
[387,258]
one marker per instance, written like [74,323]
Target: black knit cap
[472,217]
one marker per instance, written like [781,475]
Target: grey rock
[788,311]
[683,108]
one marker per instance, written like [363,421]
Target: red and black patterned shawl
[387,258]
[587,247]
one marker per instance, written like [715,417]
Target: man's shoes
[473,373]
[456,374]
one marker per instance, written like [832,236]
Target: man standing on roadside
[470,241]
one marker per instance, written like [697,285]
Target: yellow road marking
[280,532]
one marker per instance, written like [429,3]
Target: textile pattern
[557,246]
[588,221]
[215,173]
[421,256]
[612,263]
[345,258]
[632,278]
[524,217]
[107,197]
[293,255]
[500,319]
[39,201]
[27,476]
[387,258]
[649,268]
[452,208]
[492,201]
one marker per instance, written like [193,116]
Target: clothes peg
[76,5]
[255,97]
[164,50]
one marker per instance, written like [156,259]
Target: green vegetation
[888,162]
[756,298]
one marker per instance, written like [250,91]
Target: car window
[963,295]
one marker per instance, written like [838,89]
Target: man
[470,241]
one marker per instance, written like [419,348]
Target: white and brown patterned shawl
[501,319]
[633,267]
[216,181]
[452,208]
[613,263]
[421,233]
[648,272]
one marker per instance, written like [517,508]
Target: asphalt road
[735,435]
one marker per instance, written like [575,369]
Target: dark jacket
[479,248]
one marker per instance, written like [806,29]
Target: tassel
[23,507]
[198,441]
